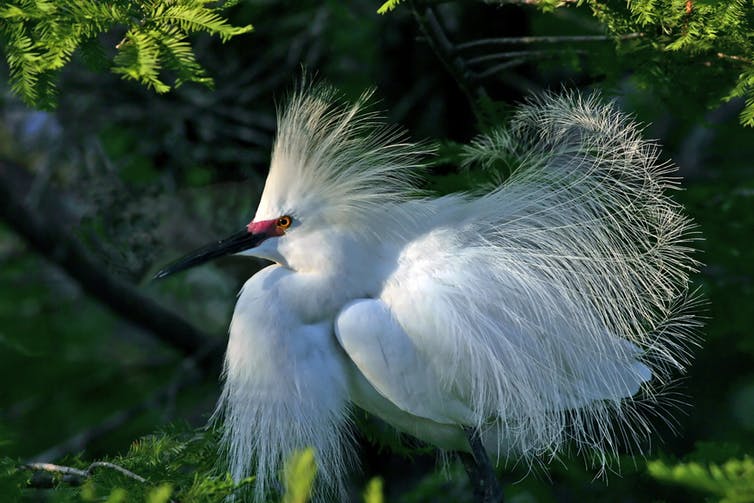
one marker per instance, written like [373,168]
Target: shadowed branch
[447,54]
[556,39]
[43,227]
[187,373]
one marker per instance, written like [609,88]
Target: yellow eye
[284,222]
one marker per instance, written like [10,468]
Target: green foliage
[684,44]
[179,464]
[160,494]
[388,6]
[39,37]
[11,479]
[299,471]
[676,47]
[373,491]
[731,481]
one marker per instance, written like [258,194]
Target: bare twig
[43,227]
[447,54]
[80,474]
[485,42]
[733,57]
[517,54]
[502,66]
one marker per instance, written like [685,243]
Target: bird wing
[388,358]
[454,326]
[546,304]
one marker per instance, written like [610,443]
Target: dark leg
[481,475]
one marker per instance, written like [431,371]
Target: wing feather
[389,360]
[548,303]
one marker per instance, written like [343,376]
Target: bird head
[337,174]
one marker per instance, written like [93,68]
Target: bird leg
[479,469]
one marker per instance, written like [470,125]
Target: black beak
[235,243]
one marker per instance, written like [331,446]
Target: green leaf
[732,481]
[373,491]
[160,494]
[139,59]
[388,6]
[299,473]
[117,495]
[196,18]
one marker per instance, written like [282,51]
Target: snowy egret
[548,311]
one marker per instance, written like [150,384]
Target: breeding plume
[545,312]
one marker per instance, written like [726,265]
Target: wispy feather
[552,310]
[551,301]
[338,160]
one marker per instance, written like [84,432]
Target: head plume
[336,159]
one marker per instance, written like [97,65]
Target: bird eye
[284,222]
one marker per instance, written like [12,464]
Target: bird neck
[338,266]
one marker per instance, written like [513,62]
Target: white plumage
[540,312]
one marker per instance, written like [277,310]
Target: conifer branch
[39,38]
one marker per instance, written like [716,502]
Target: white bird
[549,311]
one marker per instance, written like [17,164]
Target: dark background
[137,179]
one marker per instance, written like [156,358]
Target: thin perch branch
[80,474]
[446,53]
[519,54]
[502,66]
[486,42]
[733,57]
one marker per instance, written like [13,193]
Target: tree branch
[485,42]
[502,66]
[446,53]
[74,476]
[81,475]
[43,227]
[733,57]
[519,54]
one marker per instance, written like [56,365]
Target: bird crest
[337,160]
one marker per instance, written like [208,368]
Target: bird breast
[285,382]
[277,335]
